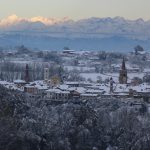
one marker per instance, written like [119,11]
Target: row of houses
[82,90]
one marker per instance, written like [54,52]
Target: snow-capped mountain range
[113,29]
[15,20]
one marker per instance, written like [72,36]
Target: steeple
[123,73]
[26,78]
[123,64]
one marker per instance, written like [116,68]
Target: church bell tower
[123,73]
[26,78]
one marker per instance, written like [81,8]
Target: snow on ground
[83,69]
[96,76]
[21,61]
[93,76]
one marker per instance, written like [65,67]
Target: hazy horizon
[68,18]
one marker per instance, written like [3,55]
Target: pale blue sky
[76,9]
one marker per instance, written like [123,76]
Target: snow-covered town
[75,75]
[74,100]
[79,74]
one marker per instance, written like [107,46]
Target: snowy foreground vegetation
[105,124]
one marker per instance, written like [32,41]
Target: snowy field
[96,76]
[82,69]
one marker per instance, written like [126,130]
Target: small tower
[46,74]
[123,73]
[111,85]
[26,78]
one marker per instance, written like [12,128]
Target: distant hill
[94,33]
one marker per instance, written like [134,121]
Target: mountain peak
[48,21]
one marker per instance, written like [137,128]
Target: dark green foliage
[34,124]
[52,56]
[138,49]
[23,50]
[66,48]
[146,78]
